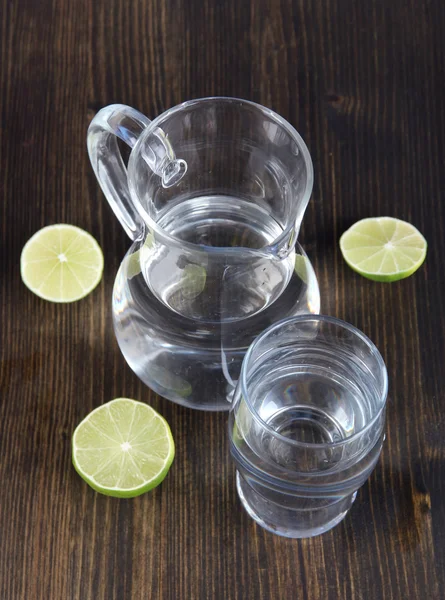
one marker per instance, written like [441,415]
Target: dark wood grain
[363,83]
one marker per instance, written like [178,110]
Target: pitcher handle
[127,124]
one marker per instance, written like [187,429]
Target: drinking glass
[307,423]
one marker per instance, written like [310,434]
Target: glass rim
[302,319]
[215,250]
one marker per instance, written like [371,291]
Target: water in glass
[307,426]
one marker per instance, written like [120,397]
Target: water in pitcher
[215,313]
[224,222]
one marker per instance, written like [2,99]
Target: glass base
[291,521]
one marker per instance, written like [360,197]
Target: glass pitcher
[213,200]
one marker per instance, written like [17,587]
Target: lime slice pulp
[383,248]
[123,448]
[61,263]
[193,281]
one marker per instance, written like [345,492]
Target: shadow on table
[395,504]
[203,470]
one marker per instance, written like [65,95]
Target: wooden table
[363,82]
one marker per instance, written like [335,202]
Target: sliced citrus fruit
[61,263]
[193,281]
[170,382]
[383,248]
[132,262]
[123,448]
[302,267]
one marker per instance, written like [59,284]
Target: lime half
[193,281]
[123,448]
[132,262]
[170,382]
[61,263]
[383,248]
[302,267]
